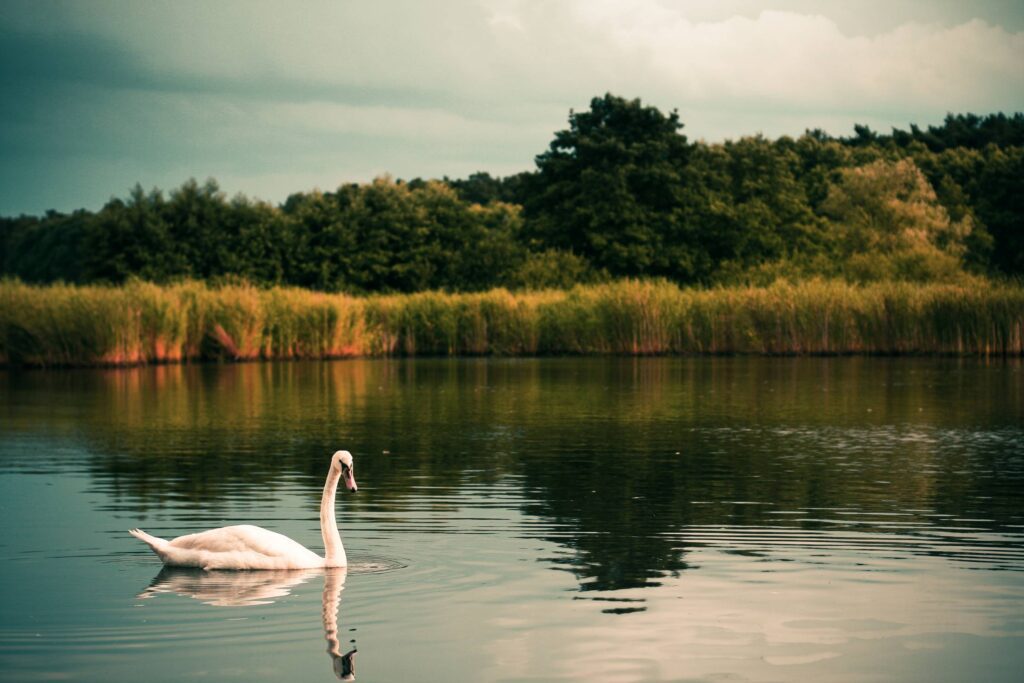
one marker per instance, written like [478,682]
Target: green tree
[483,188]
[954,174]
[254,242]
[486,250]
[966,131]
[320,242]
[44,249]
[389,236]
[196,215]
[998,194]
[553,269]
[613,188]
[395,248]
[132,238]
[891,225]
[768,213]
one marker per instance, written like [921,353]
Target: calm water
[524,520]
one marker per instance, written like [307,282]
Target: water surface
[740,519]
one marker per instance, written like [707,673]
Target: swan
[252,547]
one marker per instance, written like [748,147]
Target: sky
[272,98]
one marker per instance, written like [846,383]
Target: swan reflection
[249,588]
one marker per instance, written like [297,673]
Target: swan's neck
[334,551]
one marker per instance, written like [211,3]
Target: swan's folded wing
[236,539]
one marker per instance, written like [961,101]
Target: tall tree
[613,188]
[46,249]
[892,225]
[196,215]
[132,238]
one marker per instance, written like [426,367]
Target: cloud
[799,61]
[337,91]
[495,54]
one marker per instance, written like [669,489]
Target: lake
[563,519]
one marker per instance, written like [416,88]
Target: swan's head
[342,461]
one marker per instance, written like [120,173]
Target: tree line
[619,193]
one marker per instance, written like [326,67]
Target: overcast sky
[273,98]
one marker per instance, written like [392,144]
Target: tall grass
[146,323]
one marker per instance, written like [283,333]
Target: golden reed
[145,323]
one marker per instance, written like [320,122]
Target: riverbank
[144,323]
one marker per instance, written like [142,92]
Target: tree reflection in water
[616,460]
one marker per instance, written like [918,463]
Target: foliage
[615,188]
[966,131]
[554,269]
[892,227]
[483,188]
[47,249]
[759,207]
[619,193]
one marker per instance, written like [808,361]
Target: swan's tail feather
[157,544]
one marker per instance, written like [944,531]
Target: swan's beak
[350,482]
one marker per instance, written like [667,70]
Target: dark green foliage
[253,242]
[760,205]
[964,131]
[988,186]
[47,249]
[393,237]
[483,188]
[615,189]
[999,192]
[967,131]
[553,269]
[195,233]
[133,238]
[619,193]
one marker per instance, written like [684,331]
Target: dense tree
[254,242]
[767,215]
[988,186]
[195,215]
[553,269]
[999,191]
[132,238]
[967,131]
[620,192]
[483,188]
[892,225]
[490,251]
[393,236]
[614,187]
[318,242]
[46,249]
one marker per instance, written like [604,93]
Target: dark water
[527,520]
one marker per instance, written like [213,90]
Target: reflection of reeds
[141,322]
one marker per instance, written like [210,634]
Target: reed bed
[146,323]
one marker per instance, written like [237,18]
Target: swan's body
[233,547]
[252,547]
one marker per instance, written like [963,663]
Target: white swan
[252,547]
